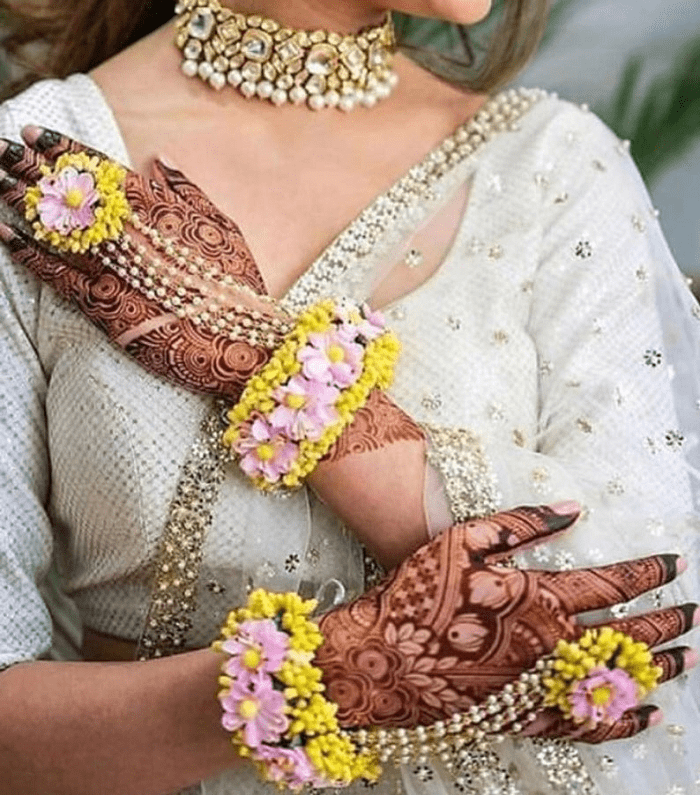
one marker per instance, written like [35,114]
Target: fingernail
[167,162]
[566,508]
[31,133]
[561,514]
[696,617]
[656,717]
[690,659]
[681,565]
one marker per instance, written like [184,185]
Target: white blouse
[554,355]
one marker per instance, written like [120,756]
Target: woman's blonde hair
[54,38]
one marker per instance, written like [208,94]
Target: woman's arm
[129,728]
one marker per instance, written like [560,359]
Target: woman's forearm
[378,494]
[137,728]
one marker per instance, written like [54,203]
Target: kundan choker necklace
[263,59]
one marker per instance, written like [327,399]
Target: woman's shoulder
[74,106]
[555,130]
[548,144]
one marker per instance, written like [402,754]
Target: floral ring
[78,203]
[598,678]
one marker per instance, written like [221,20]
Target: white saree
[553,354]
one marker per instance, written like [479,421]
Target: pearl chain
[176,286]
[507,712]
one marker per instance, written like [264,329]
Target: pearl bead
[332,98]
[234,77]
[279,97]
[217,81]
[297,95]
[189,68]
[317,102]
[265,89]
[247,88]
[205,70]
[369,99]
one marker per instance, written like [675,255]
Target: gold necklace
[263,59]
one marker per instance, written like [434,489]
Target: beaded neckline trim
[352,247]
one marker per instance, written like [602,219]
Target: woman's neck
[342,16]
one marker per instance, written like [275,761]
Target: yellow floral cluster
[110,213]
[335,756]
[312,716]
[573,661]
[377,372]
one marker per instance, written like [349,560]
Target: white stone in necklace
[265,60]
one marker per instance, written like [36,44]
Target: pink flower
[331,358]
[306,408]
[265,451]
[257,708]
[68,200]
[361,322]
[290,766]
[603,696]
[259,647]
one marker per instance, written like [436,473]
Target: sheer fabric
[551,350]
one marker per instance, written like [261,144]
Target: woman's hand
[449,627]
[181,293]
[179,260]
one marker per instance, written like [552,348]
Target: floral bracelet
[296,407]
[274,707]
[272,697]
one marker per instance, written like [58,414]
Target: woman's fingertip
[655,718]
[681,565]
[566,508]
[561,515]
[690,659]
[166,161]
[31,133]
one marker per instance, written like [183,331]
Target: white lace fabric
[557,334]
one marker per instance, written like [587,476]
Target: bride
[549,352]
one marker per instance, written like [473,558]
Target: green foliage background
[661,116]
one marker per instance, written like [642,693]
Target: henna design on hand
[378,424]
[447,628]
[174,347]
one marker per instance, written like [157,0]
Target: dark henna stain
[13,154]
[47,140]
[671,564]
[556,521]
[8,183]
[644,715]
[671,662]
[688,611]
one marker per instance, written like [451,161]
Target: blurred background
[637,64]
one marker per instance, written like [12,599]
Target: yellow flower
[603,647]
